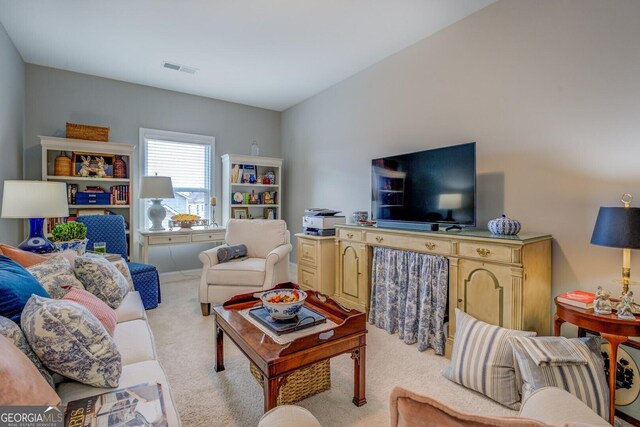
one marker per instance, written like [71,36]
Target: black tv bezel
[429,225]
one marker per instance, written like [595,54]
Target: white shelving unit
[229,188]
[52,147]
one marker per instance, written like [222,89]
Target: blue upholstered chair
[111,230]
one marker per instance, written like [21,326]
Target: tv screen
[431,186]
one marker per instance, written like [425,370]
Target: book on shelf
[94,189]
[139,405]
[72,189]
[582,299]
[120,194]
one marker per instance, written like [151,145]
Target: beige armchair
[266,265]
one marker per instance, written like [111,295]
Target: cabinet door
[352,275]
[487,292]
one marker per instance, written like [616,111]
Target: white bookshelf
[52,147]
[229,188]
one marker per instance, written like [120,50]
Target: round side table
[612,329]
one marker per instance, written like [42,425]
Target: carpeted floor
[186,347]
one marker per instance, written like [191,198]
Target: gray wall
[549,90]
[12,111]
[55,97]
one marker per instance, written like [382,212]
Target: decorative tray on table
[306,318]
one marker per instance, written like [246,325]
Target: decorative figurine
[602,303]
[625,307]
[235,173]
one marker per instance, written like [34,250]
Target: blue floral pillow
[16,287]
[55,273]
[71,341]
[103,279]
[13,333]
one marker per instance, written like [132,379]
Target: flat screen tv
[416,190]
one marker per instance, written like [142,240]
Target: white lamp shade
[34,199]
[156,187]
[450,201]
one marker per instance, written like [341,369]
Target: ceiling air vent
[178,67]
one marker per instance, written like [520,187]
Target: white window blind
[188,161]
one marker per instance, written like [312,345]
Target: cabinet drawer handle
[210,236]
[169,238]
[379,239]
[430,245]
[483,252]
[305,281]
[350,235]
[459,299]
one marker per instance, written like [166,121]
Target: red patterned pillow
[105,314]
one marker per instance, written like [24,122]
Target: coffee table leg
[359,360]
[270,387]
[219,350]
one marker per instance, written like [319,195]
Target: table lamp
[156,188]
[619,227]
[35,200]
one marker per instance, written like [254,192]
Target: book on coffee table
[306,318]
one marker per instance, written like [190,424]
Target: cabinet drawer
[350,234]
[308,277]
[410,243]
[487,252]
[307,252]
[167,240]
[207,237]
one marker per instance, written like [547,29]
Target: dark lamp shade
[617,228]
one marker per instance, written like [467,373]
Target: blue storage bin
[83,198]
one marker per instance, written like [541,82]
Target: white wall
[12,111]
[548,89]
[55,97]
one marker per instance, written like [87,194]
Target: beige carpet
[186,347]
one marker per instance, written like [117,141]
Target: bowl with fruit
[187,221]
[283,304]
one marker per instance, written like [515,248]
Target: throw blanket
[409,296]
[552,351]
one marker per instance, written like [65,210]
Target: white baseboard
[177,276]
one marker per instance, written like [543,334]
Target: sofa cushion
[55,273]
[261,236]
[587,382]
[21,382]
[13,333]
[16,287]
[482,359]
[555,406]
[102,279]
[24,258]
[135,342]
[131,308]
[138,373]
[69,340]
[410,409]
[105,314]
[245,272]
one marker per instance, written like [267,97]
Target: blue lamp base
[37,242]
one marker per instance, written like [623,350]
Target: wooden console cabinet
[313,252]
[502,280]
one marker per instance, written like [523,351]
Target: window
[188,160]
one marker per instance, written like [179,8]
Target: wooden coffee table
[276,361]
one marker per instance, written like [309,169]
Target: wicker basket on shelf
[90,133]
[302,383]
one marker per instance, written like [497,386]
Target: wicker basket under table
[302,383]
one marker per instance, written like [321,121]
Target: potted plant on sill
[70,235]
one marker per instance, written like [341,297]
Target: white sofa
[139,359]
[266,265]
[547,406]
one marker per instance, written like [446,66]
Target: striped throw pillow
[482,359]
[587,381]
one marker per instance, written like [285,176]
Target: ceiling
[266,53]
